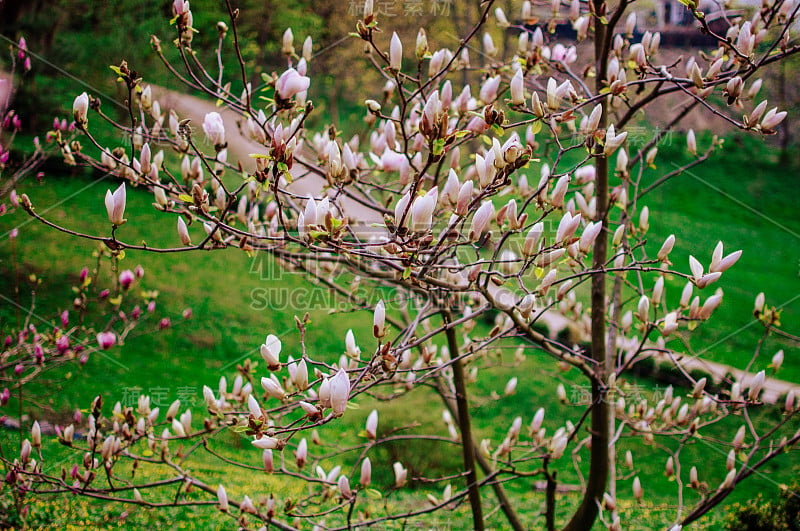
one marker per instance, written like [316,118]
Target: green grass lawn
[742,197]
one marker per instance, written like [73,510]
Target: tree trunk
[586,513]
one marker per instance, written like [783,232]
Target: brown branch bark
[464,426]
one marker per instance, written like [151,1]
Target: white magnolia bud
[777,360]
[372,424]
[379,320]
[222,496]
[638,492]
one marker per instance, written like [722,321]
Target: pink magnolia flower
[80,108]
[180,7]
[214,128]
[290,83]
[62,344]
[106,340]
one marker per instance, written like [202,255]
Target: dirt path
[774,389]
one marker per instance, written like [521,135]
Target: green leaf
[438,147]
[374,494]
[407,272]
[186,198]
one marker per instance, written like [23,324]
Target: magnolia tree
[432,208]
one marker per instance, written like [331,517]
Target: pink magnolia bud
[757,112]
[532,239]
[560,191]
[464,198]
[395,53]
[518,88]
[756,385]
[266,457]
[265,443]
[222,496]
[344,487]
[288,42]
[301,376]
[36,435]
[310,409]
[25,452]
[183,232]
[400,474]
[638,492]
[340,392]
[511,386]
[273,388]
[589,235]
[691,143]
[366,472]
[789,405]
[550,257]
[489,89]
[126,278]
[480,221]
[302,453]
[567,227]
[379,320]
[115,205]
[422,210]
[777,360]
[372,424]
[710,305]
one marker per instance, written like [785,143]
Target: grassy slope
[219,287]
